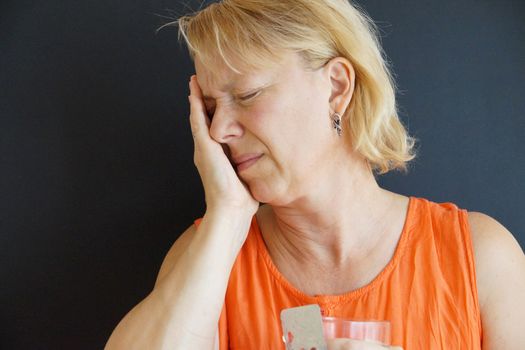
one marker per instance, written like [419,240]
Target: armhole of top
[222,339]
[197,222]
[467,235]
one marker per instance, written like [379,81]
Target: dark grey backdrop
[97,178]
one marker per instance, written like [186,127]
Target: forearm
[183,310]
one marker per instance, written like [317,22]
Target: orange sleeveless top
[427,291]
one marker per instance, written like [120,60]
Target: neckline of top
[410,220]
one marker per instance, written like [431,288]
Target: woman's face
[282,114]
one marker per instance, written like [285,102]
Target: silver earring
[336,123]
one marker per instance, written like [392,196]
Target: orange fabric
[427,291]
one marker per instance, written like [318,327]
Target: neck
[341,221]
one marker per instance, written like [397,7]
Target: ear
[341,75]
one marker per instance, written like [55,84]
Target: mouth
[247,161]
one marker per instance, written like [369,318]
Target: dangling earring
[336,123]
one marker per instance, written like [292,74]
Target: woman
[293,106]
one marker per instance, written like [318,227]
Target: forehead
[217,76]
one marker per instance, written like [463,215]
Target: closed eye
[250,96]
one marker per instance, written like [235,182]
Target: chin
[271,194]
[262,192]
[261,197]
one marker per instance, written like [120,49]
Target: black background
[97,175]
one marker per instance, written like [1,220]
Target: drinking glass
[368,330]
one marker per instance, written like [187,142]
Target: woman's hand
[350,344]
[223,188]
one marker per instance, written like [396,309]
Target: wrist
[229,228]
[232,214]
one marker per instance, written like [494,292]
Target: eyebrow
[230,85]
[223,88]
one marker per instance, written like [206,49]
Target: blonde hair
[257,32]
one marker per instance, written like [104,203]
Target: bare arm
[500,270]
[183,310]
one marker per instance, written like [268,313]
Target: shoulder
[497,253]
[500,274]
[490,238]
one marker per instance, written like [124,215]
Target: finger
[199,120]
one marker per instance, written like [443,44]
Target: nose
[225,125]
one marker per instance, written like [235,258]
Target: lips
[246,160]
[245,157]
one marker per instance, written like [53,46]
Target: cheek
[311,116]
[270,116]
[275,123]
[290,118]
